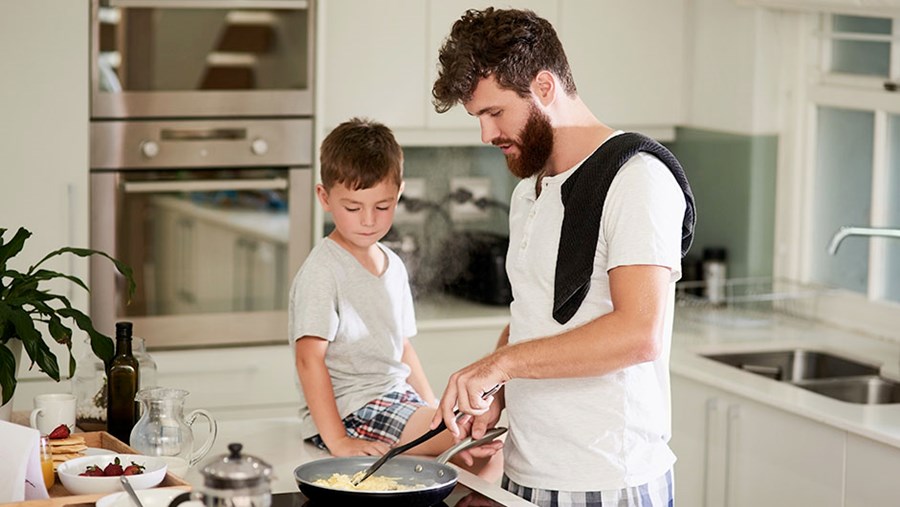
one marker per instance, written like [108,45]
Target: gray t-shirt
[364,317]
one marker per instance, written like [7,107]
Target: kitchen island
[277,441]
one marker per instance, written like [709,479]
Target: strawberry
[92,471]
[61,431]
[133,469]
[114,468]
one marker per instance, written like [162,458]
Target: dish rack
[748,302]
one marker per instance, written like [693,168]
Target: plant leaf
[87,252]
[11,249]
[38,351]
[101,344]
[58,331]
[7,373]
[45,274]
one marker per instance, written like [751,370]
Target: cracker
[70,440]
[66,449]
[67,456]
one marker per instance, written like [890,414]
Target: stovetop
[455,498]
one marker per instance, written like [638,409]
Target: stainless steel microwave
[201,58]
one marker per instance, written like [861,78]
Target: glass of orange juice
[47,462]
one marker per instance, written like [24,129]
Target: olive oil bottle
[123,380]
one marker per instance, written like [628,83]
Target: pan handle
[468,443]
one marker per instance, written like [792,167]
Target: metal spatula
[361,476]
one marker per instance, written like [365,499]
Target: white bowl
[154,473]
[160,497]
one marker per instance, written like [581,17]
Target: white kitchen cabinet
[232,383]
[44,141]
[373,62]
[853,6]
[871,467]
[444,351]
[735,452]
[627,59]
[243,382]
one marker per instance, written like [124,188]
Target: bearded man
[598,227]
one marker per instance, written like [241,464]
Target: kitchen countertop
[444,311]
[707,331]
[277,442]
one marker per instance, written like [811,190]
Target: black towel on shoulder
[583,195]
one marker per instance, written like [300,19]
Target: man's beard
[535,145]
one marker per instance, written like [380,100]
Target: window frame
[811,86]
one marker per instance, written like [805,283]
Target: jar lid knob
[235,470]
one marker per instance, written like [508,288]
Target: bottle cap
[123,329]
[715,253]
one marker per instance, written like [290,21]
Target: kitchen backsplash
[733,179]
[732,175]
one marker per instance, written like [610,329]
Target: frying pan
[438,477]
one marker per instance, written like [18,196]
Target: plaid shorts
[659,492]
[381,419]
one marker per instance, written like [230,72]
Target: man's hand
[347,446]
[465,390]
[477,427]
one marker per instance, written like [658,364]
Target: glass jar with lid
[89,384]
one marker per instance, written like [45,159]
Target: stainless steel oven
[201,58]
[201,155]
[214,216]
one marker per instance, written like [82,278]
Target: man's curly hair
[511,45]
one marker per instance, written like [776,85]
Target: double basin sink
[824,373]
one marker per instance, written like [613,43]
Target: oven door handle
[143,187]
[210,4]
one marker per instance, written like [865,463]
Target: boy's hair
[360,153]
[511,45]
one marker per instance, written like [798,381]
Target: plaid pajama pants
[382,419]
[656,493]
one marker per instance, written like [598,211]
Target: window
[859,45]
[848,131]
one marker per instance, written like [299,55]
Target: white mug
[51,410]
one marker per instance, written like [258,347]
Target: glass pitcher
[164,431]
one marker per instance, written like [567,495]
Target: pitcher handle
[210,438]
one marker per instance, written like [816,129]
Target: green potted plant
[25,306]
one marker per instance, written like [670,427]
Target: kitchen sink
[824,373]
[796,364]
[869,390]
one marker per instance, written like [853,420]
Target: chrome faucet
[845,231]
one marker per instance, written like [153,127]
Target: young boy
[363,389]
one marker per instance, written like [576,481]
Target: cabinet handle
[210,4]
[143,187]
[734,414]
[193,372]
[712,410]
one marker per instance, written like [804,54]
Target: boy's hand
[347,446]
